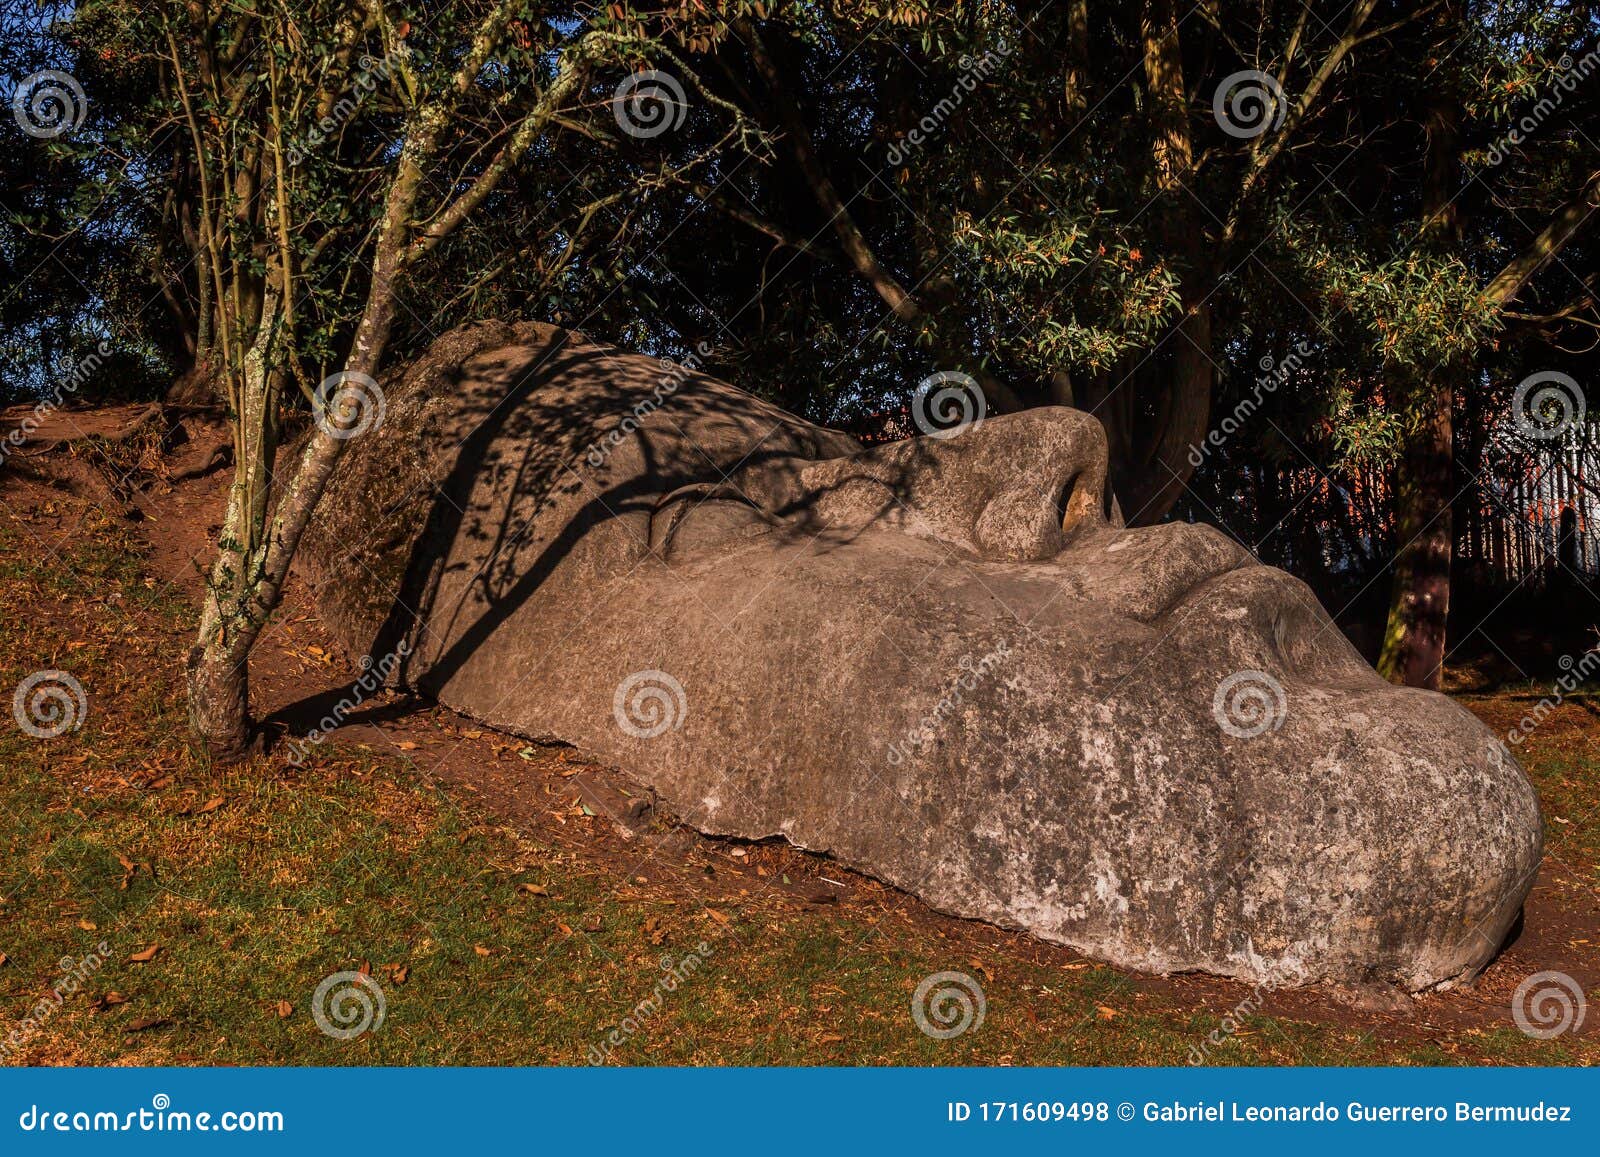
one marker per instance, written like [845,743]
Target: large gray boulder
[941,661]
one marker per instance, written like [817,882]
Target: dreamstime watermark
[1249,103]
[947,1004]
[74,975]
[160,1117]
[649,703]
[1548,405]
[374,677]
[674,374]
[947,403]
[349,404]
[675,973]
[49,104]
[1232,1021]
[1249,703]
[974,70]
[48,704]
[69,383]
[347,1004]
[1570,74]
[647,104]
[1548,1004]
[349,103]
[971,674]
[1574,675]
[1273,375]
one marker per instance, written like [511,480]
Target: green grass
[353,861]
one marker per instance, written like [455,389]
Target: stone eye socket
[703,516]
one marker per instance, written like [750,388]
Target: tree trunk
[219,675]
[1419,602]
[219,699]
[1182,383]
[253,559]
[1419,607]
[1179,375]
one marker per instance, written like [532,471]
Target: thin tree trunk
[1181,375]
[1419,608]
[219,672]
[1419,602]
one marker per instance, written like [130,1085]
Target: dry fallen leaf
[1106,1013]
[145,955]
[285,1010]
[480,950]
[406,745]
[152,1022]
[88,925]
[533,889]
[830,1038]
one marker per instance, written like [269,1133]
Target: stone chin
[942,661]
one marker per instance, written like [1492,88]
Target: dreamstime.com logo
[160,1117]
[49,104]
[947,403]
[347,1004]
[1569,78]
[1548,1004]
[349,103]
[649,703]
[374,677]
[1574,674]
[1232,1021]
[673,375]
[1547,405]
[1273,375]
[48,704]
[55,397]
[648,104]
[972,673]
[948,1004]
[1249,703]
[674,975]
[1249,103]
[74,975]
[349,404]
[974,69]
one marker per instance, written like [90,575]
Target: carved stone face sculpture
[939,661]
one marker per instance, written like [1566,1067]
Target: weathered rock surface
[939,661]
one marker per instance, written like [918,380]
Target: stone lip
[941,661]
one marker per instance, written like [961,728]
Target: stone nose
[1013,486]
